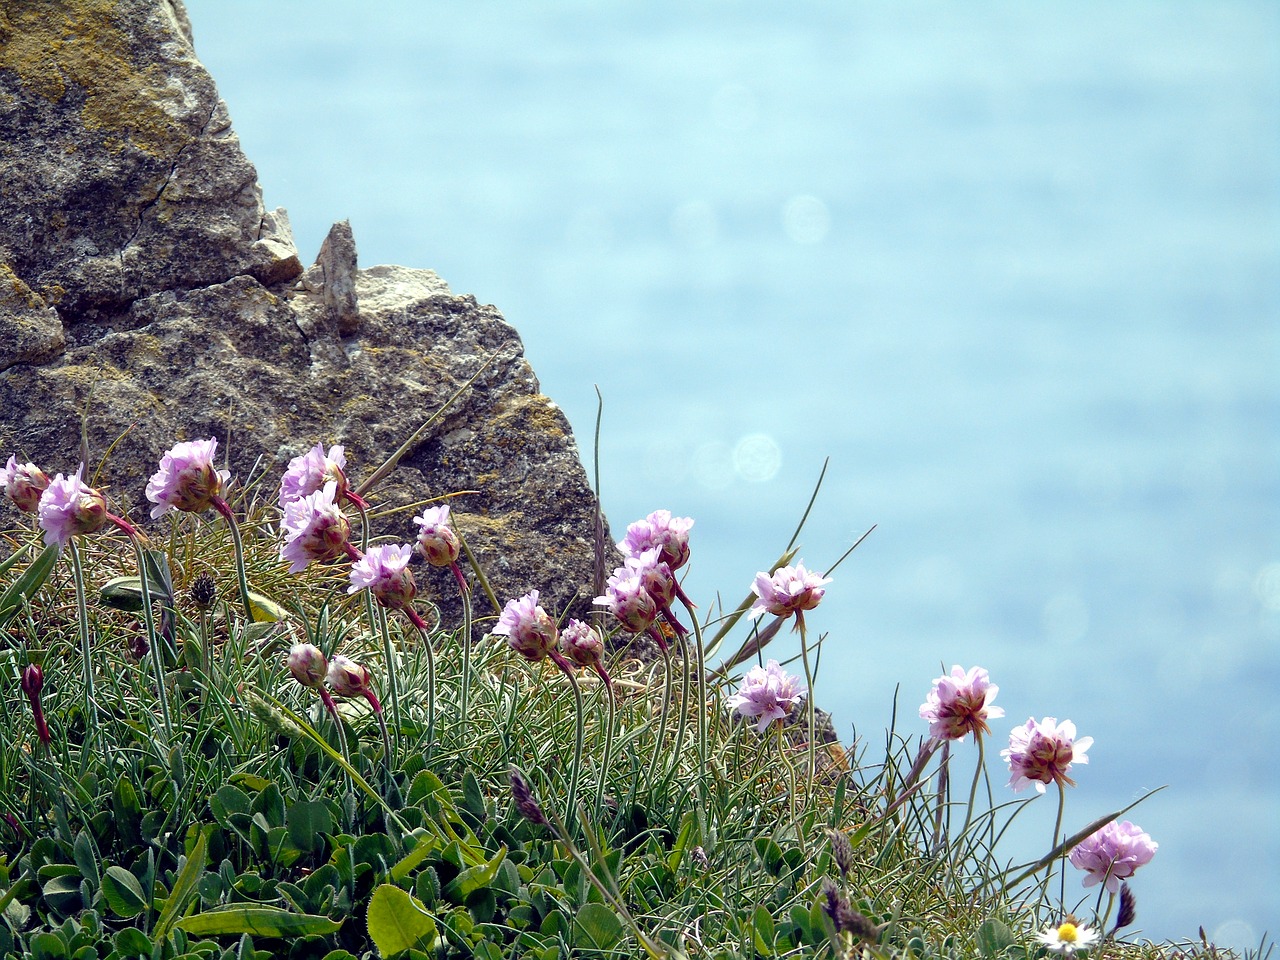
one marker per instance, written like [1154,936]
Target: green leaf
[85,852]
[123,893]
[257,920]
[132,942]
[397,921]
[600,925]
[426,845]
[474,878]
[28,583]
[185,886]
[994,938]
[309,821]
[762,928]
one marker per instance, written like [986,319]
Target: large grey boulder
[145,291]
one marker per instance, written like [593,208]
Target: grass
[265,825]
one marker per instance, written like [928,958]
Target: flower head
[186,479]
[1112,853]
[436,540]
[670,535]
[68,508]
[348,678]
[961,704]
[790,590]
[314,529]
[581,643]
[628,600]
[767,692]
[527,627]
[311,471]
[385,571]
[1041,753]
[655,575]
[23,484]
[1067,938]
[307,664]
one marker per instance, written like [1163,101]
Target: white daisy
[1068,938]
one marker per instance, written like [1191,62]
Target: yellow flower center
[1067,933]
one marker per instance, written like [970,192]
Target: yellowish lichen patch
[52,45]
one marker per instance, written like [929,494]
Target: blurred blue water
[1015,268]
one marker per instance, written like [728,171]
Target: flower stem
[973,789]
[701,679]
[393,688]
[425,631]
[465,592]
[90,704]
[224,509]
[793,787]
[610,712]
[810,709]
[576,771]
[683,720]
[153,639]
[662,722]
[1057,826]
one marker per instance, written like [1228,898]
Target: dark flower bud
[523,796]
[204,590]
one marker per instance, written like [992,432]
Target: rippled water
[1013,267]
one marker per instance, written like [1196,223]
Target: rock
[145,290]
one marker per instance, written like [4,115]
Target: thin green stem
[701,679]
[153,638]
[793,787]
[810,708]
[82,610]
[683,721]
[662,722]
[464,707]
[425,631]
[576,770]
[1057,826]
[610,721]
[224,509]
[973,789]
[393,687]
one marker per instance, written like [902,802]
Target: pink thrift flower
[629,601]
[655,575]
[790,590]
[311,471]
[670,535]
[581,643]
[348,678]
[68,508]
[186,480]
[1113,853]
[527,627]
[314,528]
[307,664]
[961,704]
[436,540]
[385,571]
[23,484]
[767,692]
[1041,753]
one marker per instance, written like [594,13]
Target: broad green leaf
[85,852]
[123,892]
[762,927]
[132,942]
[309,821]
[994,938]
[474,878]
[600,925]
[397,921]
[185,886]
[426,846]
[256,920]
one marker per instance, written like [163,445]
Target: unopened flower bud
[32,684]
[23,484]
[581,644]
[437,542]
[529,630]
[307,664]
[348,678]
[523,796]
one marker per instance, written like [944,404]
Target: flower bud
[348,678]
[307,664]
[23,484]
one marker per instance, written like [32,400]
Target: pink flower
[385,571]
[348,678]
[790,590]
[436,540]
[670,535]
[961,704]
[68,508]
[581,643]
[311,471]
[655,575]
[186,480]
[527,627]
[314,528]
[307,664]
[629,601]
[767,692]
[1112,853]
[1041,753]
[23,484]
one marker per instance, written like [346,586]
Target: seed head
[204,591]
